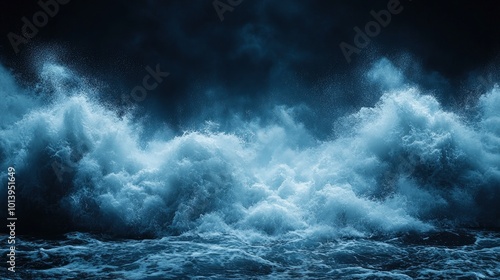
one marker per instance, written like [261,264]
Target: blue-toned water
[240,255]
[394,192]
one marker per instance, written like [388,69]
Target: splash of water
[404,164]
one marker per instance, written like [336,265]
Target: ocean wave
[404,164]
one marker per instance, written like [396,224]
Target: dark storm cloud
[285,51]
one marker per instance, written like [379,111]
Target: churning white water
[404,165]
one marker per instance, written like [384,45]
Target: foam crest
[404,164]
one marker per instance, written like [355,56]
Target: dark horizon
[262,51]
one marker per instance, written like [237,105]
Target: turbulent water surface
[394,193]
[242,255]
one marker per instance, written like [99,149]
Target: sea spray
[405,164]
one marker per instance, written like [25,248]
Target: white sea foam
[403,164]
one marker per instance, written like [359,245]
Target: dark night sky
[287,51]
